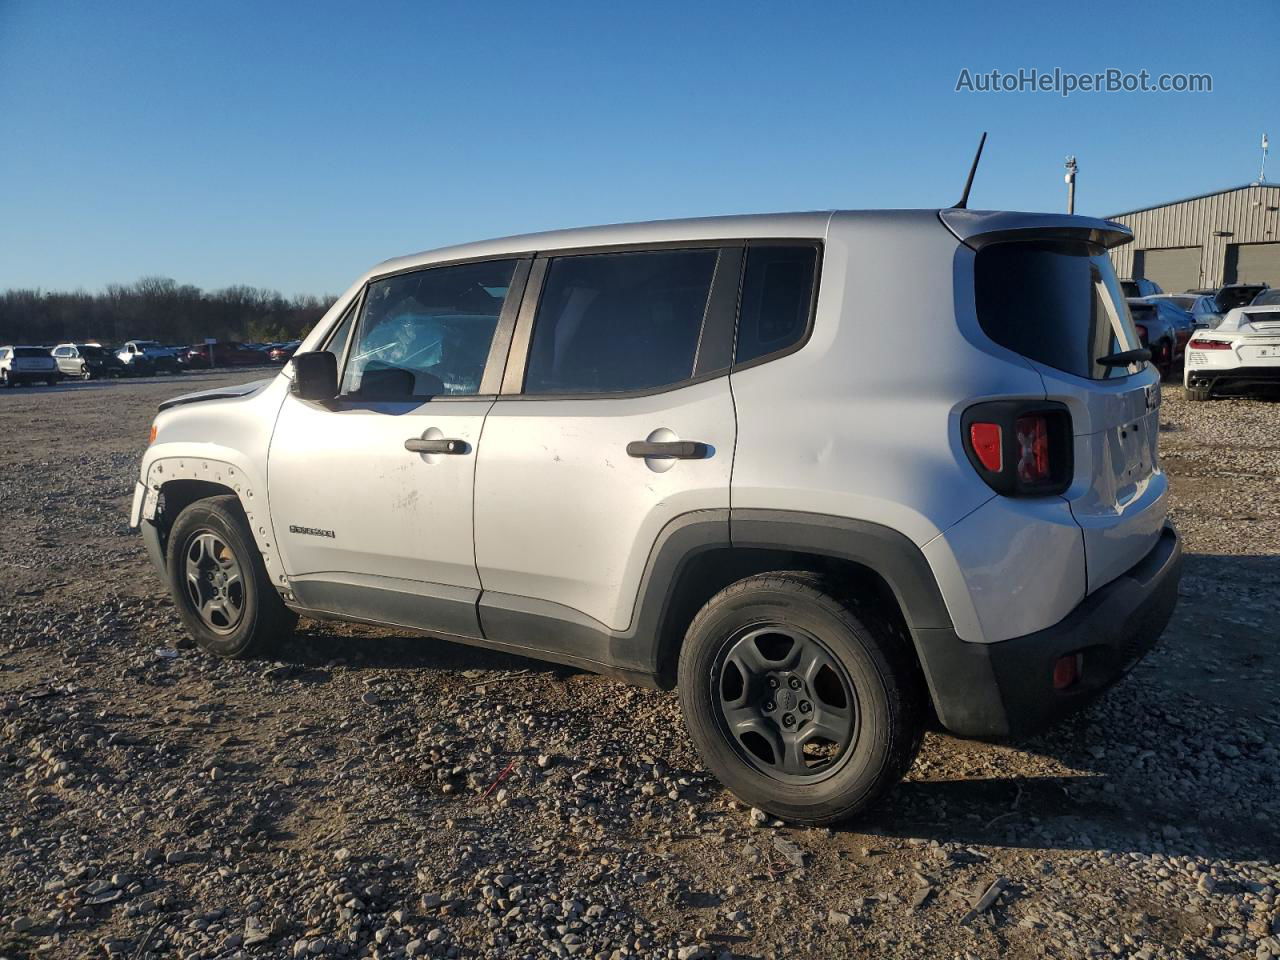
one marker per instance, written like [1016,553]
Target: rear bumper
[1233,376]
[999,689]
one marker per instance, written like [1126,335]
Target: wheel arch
[703,554]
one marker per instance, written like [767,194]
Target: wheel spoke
[792,758]
[829,723]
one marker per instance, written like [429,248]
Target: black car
[1237,295]
[87,361]
[1164,328]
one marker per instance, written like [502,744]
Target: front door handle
[676,449]
[418,445]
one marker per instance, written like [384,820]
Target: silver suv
[820,471]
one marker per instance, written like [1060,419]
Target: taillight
[1209,345]
[1020,447]
[151,437]
[1033,448]
[1142,332]
[987,444]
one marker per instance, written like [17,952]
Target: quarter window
[427,333]
[619,322]
[777,299]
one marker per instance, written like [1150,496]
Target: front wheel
[220,584]
[799,705]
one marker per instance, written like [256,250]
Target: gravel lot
[373,794]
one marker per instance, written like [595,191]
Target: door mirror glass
[315,376]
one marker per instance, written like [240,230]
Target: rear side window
[777,300]
[1057,303]
[619,322]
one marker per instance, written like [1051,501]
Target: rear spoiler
[977,228]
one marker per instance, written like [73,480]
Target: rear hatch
[1260,347]
[1045,289]
[33,360]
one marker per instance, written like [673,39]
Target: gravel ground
[371,794]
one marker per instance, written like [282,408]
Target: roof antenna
[963,203]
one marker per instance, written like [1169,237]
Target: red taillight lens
[1142,332]
[1209,345]
[1033,448]
[1066,671]
[988,444]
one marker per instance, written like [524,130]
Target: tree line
[156,308]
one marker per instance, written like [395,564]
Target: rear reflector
[1209,345]
[1033,448]
[1066,671]
[987,444]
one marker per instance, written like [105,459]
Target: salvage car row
[22,365]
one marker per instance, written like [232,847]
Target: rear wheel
[219,582]
[799,705]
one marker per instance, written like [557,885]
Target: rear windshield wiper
[1124,358]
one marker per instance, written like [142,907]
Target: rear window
[1130,288]
[1057,303]
[30,352]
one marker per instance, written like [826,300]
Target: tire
[862,658]
[246,620]
[6,379]
[86,373]
[1197,394]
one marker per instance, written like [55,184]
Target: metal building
[1230,236]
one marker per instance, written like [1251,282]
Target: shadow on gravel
[319,647]
[1158,758]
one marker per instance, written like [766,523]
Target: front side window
[619,322]
[777,299]
[427,333]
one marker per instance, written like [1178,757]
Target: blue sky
[293,145]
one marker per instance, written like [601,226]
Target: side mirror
[315,376]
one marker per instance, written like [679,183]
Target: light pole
[1071,183]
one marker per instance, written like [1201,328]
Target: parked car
[229,354]
[19,365]
[282,352]
[87,361]
[540,452]
[1267,298]
[1237,295]
[1164,328]
[1140,287]
[1243,351]
[142,358]
[1202,307]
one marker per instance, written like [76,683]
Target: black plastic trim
[1006,688]
[1006,413]
[420,606]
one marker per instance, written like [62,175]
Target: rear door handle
[418,445]
[676,449]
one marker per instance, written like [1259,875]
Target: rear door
[615,419]
[1059,304]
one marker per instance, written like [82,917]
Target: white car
[1242,351]
[27,365]
[674,452]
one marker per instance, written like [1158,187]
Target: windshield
[1267,298]
[94,352]
[1055,302]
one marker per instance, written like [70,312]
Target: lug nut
[773,683]
[805,706]
[794,683]
[788,720]
[769,706]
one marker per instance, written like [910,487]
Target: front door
[371,495]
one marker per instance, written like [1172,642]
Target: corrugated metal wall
[1249,214]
